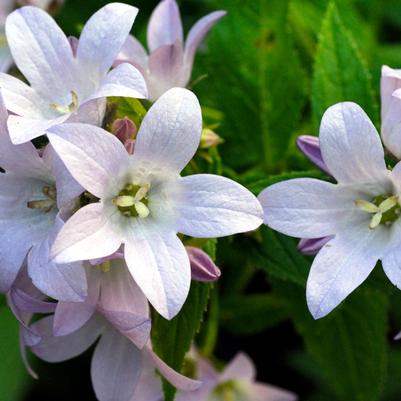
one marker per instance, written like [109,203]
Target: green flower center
[46,204]
[228,391]
[66,109]
[133,200]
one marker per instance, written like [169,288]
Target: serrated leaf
[340,73]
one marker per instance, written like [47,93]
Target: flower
[33,190]
[143,200]
[117,312]
[170,61]
[61,84]
[361,211]
[235,382]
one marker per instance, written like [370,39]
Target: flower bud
[209,139]
[310,147]
[202,266]
[125,130]
[312,246]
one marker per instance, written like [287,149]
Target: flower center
[132,201]
[46,204]
[384,209]
[228,391]
[66,109]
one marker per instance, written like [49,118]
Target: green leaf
[340,73]
[172,339]
[260,86]
[14,379]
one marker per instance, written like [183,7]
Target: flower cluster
[95,224]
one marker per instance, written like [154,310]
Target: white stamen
[142,210]
[366,206]
[142,192]
[66,109]
[124,201]
[388,204]
[376,219]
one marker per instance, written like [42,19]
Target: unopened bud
[202,266]
[312,246]
[124,129]
[209,139]
[310,147]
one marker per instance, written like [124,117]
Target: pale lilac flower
[202,266]
[61,84]
[170,61]
[236,382]
[143,200]
[361,211]
[309,146]
[117,312]
[33,190]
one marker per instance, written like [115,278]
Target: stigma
[132,201]
[66,109]
[46,204]
[384,210]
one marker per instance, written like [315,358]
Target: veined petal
[170,132]
[160,266]
[306,207]
[116,367]
[91,112]
[133,52]
[41,51]
[124,80]
[350,145]
[93,156]
[198,33]
[103,36]
[165,25]
[89,234]
[342,265]
[214,206]
[59,349]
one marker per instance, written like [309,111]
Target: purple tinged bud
[209,139]
[202,266]
[125,130]
[310,147]
[74,44]
[312,246]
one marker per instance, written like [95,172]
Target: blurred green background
[266,73]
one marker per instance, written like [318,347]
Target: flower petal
[88,234]
[240,368]
[310,147]
[124,80]
[306,207]
[103,36]
[59,349]
[350,145]
[170,132]
[41,51]
[133,52]
[342,265]
[66,282]
[198,33]
[165,25]
[93,156]
[116,367]
[160,266]
[265,392]
[214,206]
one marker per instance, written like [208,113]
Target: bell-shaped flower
[33,190]
[143,201]
[236,382]
[116,311]
[170,60]
[361,211]
[61,84]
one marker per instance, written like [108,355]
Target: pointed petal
[41,51]
[265,392]
[165,25]
[170,132]
[391,110]
[198,33]
[312,246]
[66,282]
[133,52]
[93,156]
[103,36]
[306,207]
[23,129]
[240,368]
[214,206]
[350,145]
[342,265]
[176,379]
[116,366]
[160,266]
[59,349]
[310,147]
[124,80]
